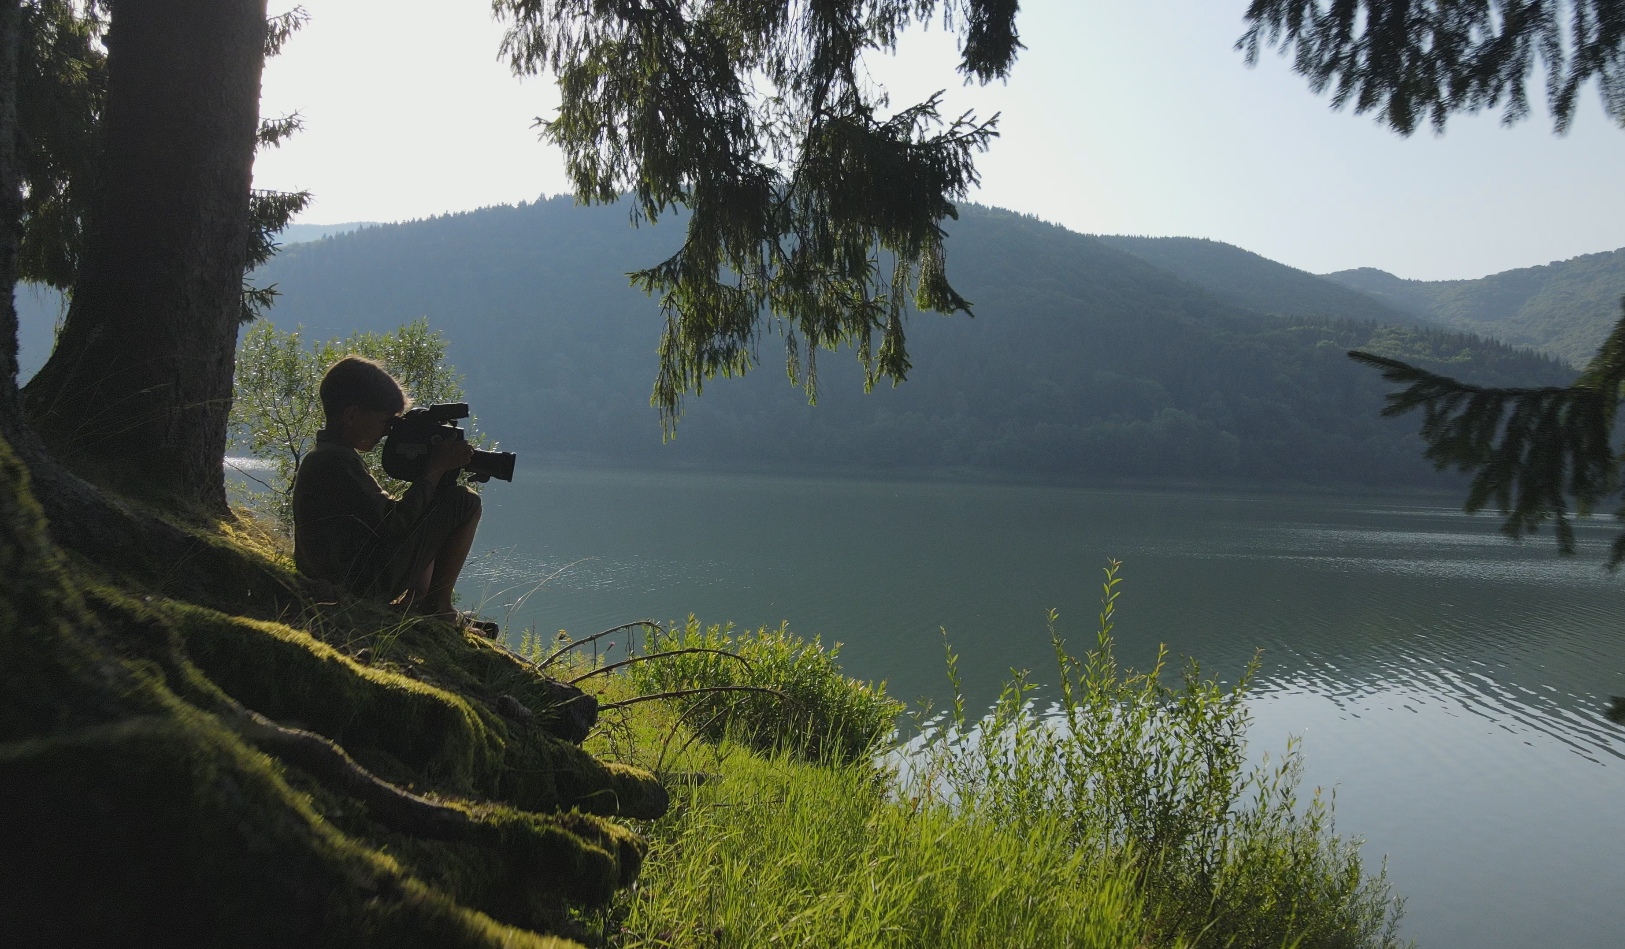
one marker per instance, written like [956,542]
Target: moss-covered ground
[149,800]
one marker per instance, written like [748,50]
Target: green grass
[1124,814]
[770,690]
[1228,855]
[783,853]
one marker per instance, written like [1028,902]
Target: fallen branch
[543,664]
[655,655]
[679,693]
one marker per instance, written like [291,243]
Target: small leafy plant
[1122,762]
[806,705]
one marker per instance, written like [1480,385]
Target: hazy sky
[1134,118]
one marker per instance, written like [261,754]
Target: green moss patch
[136,816]
[287,675]
[166,830]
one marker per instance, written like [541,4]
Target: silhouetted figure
[349,531]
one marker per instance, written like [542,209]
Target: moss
[145,820]
[546,769]
[405,730]
[165,830]
[287,675]
[527,871]
[50,675]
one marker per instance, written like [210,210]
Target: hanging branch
[1536,453]
[813,210]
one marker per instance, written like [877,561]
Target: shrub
[812,710]
[1227,856]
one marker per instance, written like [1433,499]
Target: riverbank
[1126,818]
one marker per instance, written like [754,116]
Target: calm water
[1445,682]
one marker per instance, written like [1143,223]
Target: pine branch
[1537,454]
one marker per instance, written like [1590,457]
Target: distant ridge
[1246,279]
[300,233]
[1083,363]
[1564,308]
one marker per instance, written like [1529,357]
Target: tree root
[325,761]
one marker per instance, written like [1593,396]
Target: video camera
[414,435]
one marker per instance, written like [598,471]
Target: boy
[348,531]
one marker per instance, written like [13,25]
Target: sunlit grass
[782,853]
[1124,814]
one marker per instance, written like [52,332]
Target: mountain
[1565,308]
[300,233]
[1248,280]
[1082,363]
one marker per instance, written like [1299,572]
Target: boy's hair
[356,380]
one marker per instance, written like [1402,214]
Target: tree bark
[137,393]
[11,205]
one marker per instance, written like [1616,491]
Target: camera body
[414,435]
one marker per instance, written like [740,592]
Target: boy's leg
[448,566]
[418,592]
[426,565]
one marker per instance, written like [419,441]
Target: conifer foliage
[62,80]
[1531,449]
[812,210]
[1424,60]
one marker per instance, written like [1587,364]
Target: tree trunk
[128,542]
[137,393]
[11,209]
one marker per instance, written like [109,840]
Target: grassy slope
[803,844]
[1565,308]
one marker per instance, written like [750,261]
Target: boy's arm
[400,515]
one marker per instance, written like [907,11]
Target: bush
[812,710]
[276,412]
[1226,856]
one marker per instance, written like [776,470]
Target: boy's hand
[449,455]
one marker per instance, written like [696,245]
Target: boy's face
[363,428]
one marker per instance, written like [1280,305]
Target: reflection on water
[1448,683]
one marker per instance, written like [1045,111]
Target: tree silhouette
[137,171]
[812,212]
[1537,454]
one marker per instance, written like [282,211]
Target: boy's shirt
[344,524]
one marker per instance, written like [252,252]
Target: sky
[1119,118]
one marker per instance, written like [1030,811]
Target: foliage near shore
[1125,815]
[218,768]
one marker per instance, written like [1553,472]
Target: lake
[1447,683]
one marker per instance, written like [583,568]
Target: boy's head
[355,380]
[358,395]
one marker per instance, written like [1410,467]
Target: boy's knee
[468,502]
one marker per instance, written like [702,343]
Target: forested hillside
[1082,363]
[1246,279]
[1564,308]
